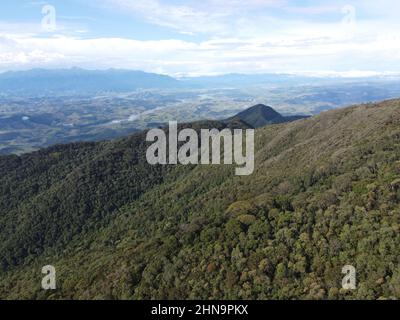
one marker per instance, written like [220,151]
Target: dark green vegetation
[262,115]
[325,193]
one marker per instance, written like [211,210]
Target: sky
[203,37]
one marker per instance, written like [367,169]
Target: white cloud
[249,43]
[305,48]
[183,18]
[313,10]
[216,17]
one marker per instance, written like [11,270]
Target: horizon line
[349,74]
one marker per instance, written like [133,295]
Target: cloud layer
[262,36]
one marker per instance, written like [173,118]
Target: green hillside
[325,193]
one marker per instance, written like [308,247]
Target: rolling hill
[325,193]
[261,115]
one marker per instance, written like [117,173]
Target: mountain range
[76,80]
[325,193]
[83,81]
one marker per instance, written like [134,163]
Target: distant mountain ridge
[261,115]
[76,80]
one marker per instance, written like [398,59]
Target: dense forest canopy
[325,193]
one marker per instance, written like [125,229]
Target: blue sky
[195,37]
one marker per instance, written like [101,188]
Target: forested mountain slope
[325,193]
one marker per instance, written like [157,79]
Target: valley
[28,123]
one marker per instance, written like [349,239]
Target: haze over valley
[40,108]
